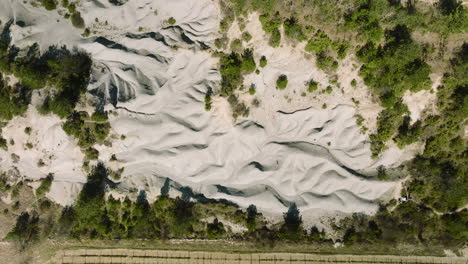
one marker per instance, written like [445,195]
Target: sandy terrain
[154,78]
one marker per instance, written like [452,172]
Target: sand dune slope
[154,77]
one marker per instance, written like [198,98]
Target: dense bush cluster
[440,173]
[45,185]
[65,70]
[14,100]
[88,130]
[408,223]
[391,70]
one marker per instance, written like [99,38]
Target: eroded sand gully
[286,151]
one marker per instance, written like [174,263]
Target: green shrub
[77,20]
[252,89]
[236,45]
[13,100]
[341,47]
[248,62]
[230,69]
[318,43]
[49,4]
[171,21]
[395,67]
[312,86]
[282,82]
[292,227]
[324,62]
[263,61]
[45,185]
[293,30]
[72,8]
[215,230]
[329,89]
[275,38]
[353,83]
[246,36]
[91,153]
[26,230]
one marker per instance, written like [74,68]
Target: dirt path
[98,256]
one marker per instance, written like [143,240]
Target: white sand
[288,150]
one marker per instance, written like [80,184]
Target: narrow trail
[168,256]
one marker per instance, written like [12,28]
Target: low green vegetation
[26,230]
[440,173]
[390,70]
[65,70]
[49,4]
[76,20]
[246,36]
[14,100]
[271,24]
[263,61]
[171,21]
[293,30]
[312,86]
[318,43]
[45,185]
[282,82]
[87,130]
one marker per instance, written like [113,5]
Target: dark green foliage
[87,130]
[325,62]
[3,143]
[67,71]
[49,4]
[91,154]
[215,230]
[248,62]
[231,77]
[275,38]
[45,185]
[263,61]
[246,36]
[407,133]
[395,67]
[238,107]
[236,45]
[282,82]
[441,171]
[390,70]
[293,30]
[251,218]
[292,227]
[26,230]
[388,122]
[365,19]
[315,235]
[318,43]
[76,19]
[89,217]
[171,21]
[13,100]
[270,25]
[341,48]
[72,8]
